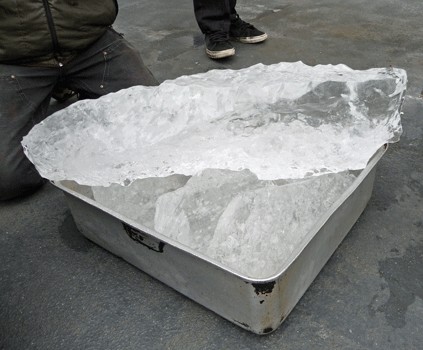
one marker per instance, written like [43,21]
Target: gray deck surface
[60,291]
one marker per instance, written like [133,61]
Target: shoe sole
[251,39]
[220,54]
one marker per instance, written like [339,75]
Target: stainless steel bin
[258,305]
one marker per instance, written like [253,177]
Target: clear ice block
[286,120]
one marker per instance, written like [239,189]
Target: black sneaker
[245,32]
[218,45]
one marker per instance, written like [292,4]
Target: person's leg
[213,15]
[214,19]
[233,13]
[109,65]
[219,21]
[24,98]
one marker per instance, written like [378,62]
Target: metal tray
[258,305]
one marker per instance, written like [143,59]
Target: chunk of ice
[286,120]
[244,223]
[260,228]
[190,214]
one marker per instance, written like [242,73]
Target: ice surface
[286,120]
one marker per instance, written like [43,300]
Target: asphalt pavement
[58,290]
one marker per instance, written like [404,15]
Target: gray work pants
[110,64]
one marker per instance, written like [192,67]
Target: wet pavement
[58,290]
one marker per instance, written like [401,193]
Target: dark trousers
[110,64]
[214,15]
